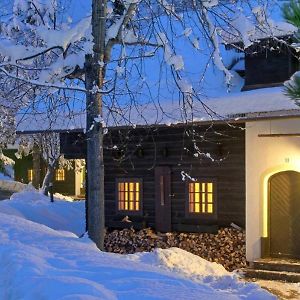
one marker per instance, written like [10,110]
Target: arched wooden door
[284,203]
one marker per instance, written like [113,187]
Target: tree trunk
[95,73]
[36,160]
[48,179]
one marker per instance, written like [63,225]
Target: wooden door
[163,199]
[284,199]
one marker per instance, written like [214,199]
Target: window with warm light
[201,198]
[60,175]
[129,195]
[30,175]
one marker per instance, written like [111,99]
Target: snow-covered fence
[12,186]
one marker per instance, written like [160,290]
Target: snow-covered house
[30,162]
[239,164]
[245,172]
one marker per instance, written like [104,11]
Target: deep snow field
[42,257]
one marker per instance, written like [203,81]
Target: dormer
[268,62]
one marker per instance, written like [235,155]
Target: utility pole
[95,74]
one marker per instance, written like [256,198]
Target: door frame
[266,241]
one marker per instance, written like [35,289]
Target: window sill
[203,216]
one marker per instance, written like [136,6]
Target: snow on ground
[39,259]
[59,215]
[182,262]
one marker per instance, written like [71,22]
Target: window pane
[209,198]
[131,186]
[209,187]
[210,208]
[191,207]
[191,187]
[197,198]
[131,205]
[131,196]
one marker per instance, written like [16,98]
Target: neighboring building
[66,182]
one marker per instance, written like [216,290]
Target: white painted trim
[266,156]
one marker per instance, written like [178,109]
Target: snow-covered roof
[261,103]
[247,33]
[43,122]
[268,102]
[216,105]
[265,102]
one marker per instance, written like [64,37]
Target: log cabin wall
[135,153]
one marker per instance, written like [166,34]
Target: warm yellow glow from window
[30,175]
[209,187]
[201,198]
[60,175]
[129,196]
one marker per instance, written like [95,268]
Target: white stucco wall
[266,156]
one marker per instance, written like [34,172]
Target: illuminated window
[30,175]
[201,197]
[60,175]
[129,195]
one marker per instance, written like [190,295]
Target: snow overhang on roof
[267,102]
[237,107]
[247,38]
[43,122]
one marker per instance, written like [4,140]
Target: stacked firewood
[227,247]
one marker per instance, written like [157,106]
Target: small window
[60,175]
[30,175]
[129,195]
[201,198]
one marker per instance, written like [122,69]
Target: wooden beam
[280,135]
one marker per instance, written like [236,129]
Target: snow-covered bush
[6,166]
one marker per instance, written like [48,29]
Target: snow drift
[59,215]
[39,262]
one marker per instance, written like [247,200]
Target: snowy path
[39,262]
[284,290]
